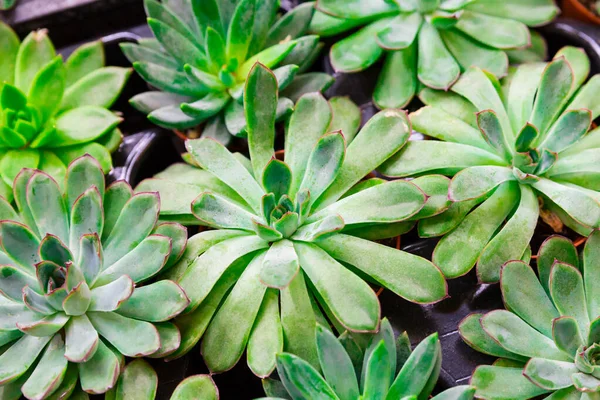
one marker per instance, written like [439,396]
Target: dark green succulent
[53,112]
[74,292]
[355,368]
[202,55]
[290,238]
[429,42]
[509,146]
[548,339]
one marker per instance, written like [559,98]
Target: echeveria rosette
[549,339]
[53,112]
[203,52]
[73,302]
[429,42]
[379,367]
[284,243]
[506,145]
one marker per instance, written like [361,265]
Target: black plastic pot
[147,150]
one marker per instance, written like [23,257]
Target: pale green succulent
[548,339]
[286,238]
[507,145]
[73,298]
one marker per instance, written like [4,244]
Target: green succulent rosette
[372,366]
[73,302]
[51,111]
[430,42]
[549,339]
[508,146]
[287,235]
[203,52]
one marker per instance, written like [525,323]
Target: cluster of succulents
[429,42]
[203,52]
[292,245]
[53,111]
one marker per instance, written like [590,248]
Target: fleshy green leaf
[280,265]
[35,52]
[260,101]
[105,83]
[300,378]
[118,330]
[406,275]
[172,298]
[49,372]
[516,336]
[437,68]
[196,387]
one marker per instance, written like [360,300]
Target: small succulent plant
[53,112]
[506,145]
[286,232]
[380,367]
[549,339]
[70,304]
[428,42]
[202,55]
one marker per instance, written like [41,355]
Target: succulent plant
[202,55]
[429,42]
[53,112]
[548,339]
[380,367]
[288,231]
[506,146]
[72,303]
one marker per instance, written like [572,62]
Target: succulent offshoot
[354,368]
[430,42]
[202,53]
[549,341]
[75,297]
[505,144]
[285,232]
[51,111]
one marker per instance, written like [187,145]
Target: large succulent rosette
[74,297]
